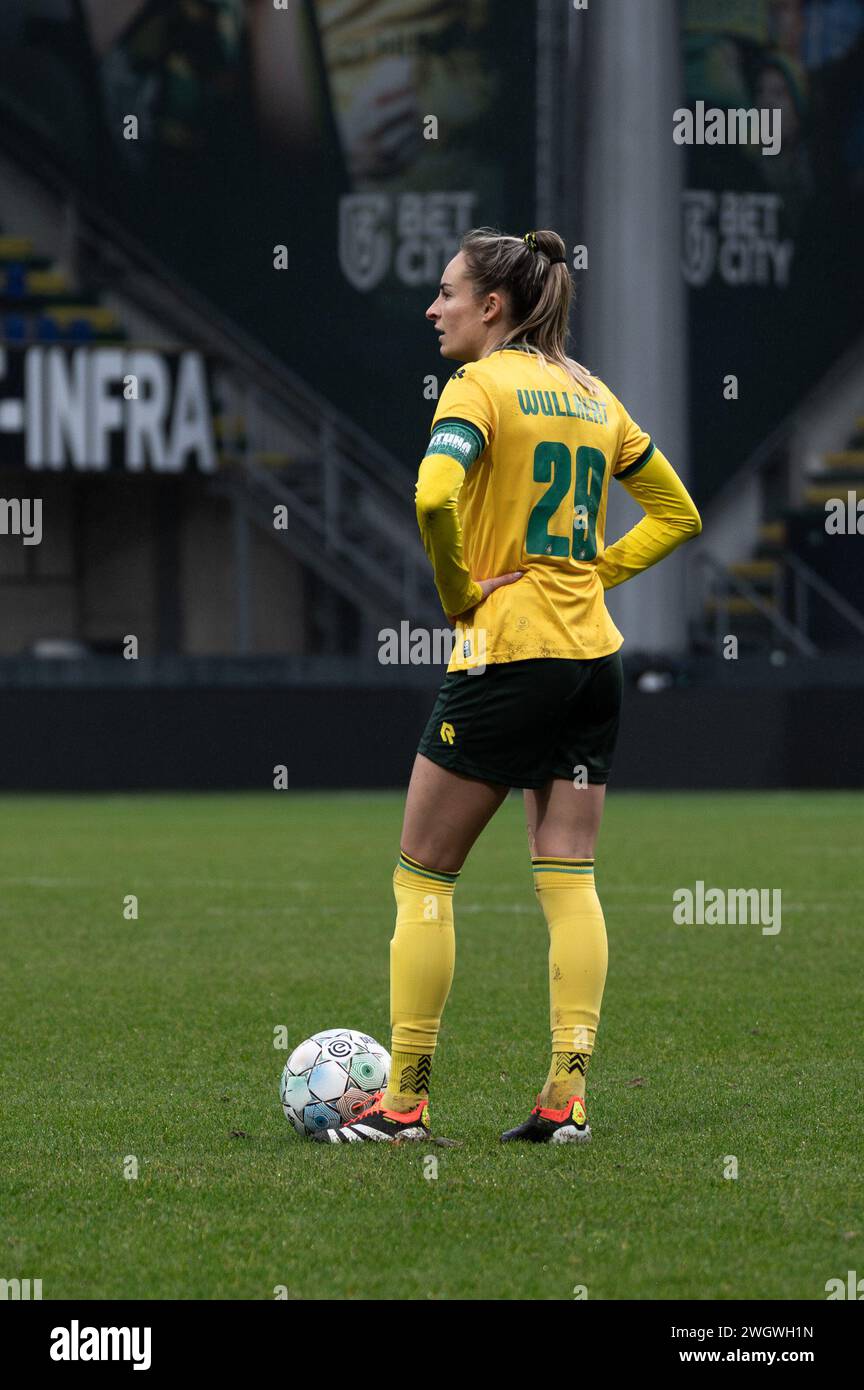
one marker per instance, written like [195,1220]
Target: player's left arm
[671,518]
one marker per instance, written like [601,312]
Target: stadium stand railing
[280,443]
[785,579]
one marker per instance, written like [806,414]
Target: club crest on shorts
[448,733]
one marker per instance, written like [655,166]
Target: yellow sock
[422,958]
[578,958]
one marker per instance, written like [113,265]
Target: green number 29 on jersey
[553,464]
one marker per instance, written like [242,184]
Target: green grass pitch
[152,1039]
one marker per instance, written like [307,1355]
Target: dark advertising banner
[772,210]
[309,166]
[95,408]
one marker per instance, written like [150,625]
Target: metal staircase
[348,533]
[785,580]
[347,507]
[349,503]
[774,599]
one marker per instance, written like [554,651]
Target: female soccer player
[524,442]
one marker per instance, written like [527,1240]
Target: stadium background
[165,948]
[260,256]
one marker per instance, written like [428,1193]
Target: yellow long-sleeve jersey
[516,477]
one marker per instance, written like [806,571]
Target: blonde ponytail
[533,272]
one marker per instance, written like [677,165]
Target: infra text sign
[95,408]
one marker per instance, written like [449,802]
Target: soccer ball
[330,1078]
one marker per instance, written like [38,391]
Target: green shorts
[524,722]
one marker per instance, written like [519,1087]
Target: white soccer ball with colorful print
[331,1077]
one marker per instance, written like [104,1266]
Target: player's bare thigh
[564,819]
[444,814]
